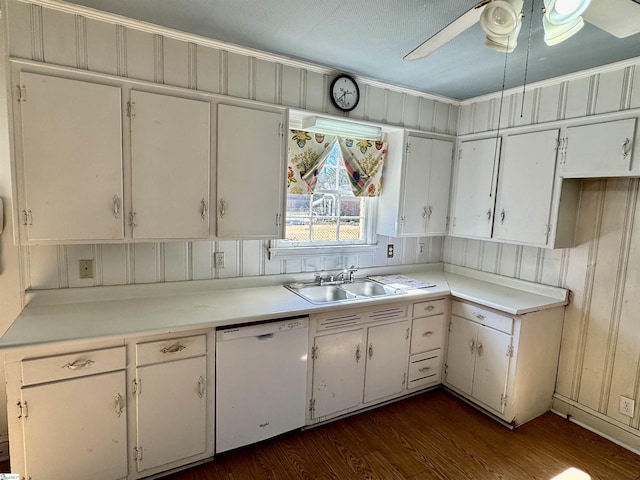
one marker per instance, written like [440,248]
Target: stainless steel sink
[343,292]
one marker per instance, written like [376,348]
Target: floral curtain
[308,153]
[364,160]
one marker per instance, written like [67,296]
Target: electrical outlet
[421,249]
[219,259]
[627,406]
[390,250]
[86,268]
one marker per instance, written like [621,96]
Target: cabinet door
[439,186]
[413,219]
[474,196]
[600,150]
[72,160]
[387,353]
[493,355]
[338,372]
[461,353]
[525,191]
[76,428]
[171,409]
[170,138]
[250,179]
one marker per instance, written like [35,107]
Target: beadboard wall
[89,40]
[600,352]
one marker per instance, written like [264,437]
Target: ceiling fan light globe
[500,44]
[499,18]
[559,12]
[555,34]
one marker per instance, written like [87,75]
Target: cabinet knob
[424,369]
[203,209]
[502,215]
[223,206]
[116,206]
[479,348]
[427,334]
[357,353]
[370,350]
[472,346]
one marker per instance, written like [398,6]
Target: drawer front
[354,317]
[425,369]
[427,333]
[427,309]
[170,349]
[483,316]
[73,365]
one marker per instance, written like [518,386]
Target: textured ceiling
[370,37]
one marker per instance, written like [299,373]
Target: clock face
[345,93]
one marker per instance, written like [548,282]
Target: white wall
[600,352]
[117,47]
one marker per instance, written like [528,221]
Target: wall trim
[148,27]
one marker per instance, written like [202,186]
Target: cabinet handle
[203,209]
[479,349]
[479,316]
[358,354]
[119,404]
[223,206]
[472,346]
[78,364]
[502,215]
[424,369]
[625,150]
[430,307]
[489,215]
[116,206]
[427,334]
[370,350]
[429,212]
[173,348]
[201,387]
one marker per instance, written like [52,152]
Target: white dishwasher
[261,381]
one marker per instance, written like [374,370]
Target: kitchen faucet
[343,276]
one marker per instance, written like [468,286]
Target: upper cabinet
[507,190]
[251,176]
[71,152]
[599,150]
[170,139]
[415,193]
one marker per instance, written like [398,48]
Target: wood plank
[430,436]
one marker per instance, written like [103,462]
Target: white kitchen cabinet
[599,150]
[504,363]
[171,399]
[359,357]
[69,160]
[70,406]
[474,188]
[251,178]
[415,197]
[427,342]
[170,144]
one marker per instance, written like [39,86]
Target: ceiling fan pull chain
[526,62]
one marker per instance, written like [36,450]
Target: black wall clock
[344,93]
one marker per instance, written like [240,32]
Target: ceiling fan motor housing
[501,22]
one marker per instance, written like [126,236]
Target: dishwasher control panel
[259,329]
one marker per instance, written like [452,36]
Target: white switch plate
[627,406]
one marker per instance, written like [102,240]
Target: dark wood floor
[431,436]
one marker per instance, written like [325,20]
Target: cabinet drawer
[427,333]
[426,309]
[424,368]
[170,349]
[483,316]
[73,365]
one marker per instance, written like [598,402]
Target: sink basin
[343,292]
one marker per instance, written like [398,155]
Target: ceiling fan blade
[448,33]
[620,18]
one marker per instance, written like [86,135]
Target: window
[332,215]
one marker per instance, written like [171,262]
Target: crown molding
[99,15]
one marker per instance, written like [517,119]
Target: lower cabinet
[427,342]
[359,357]
[504,363]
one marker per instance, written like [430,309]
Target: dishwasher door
[261,381]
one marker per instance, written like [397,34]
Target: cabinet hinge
[27,217]
[131,109]
[407,148]
[459,154]
[446,369]
[281,129]
[510,351]
[449,327]
[137,387]
[23,410]
[314,352]
[132,220]
[137,454]
[312,406]
[407,335]
[404,378]
[503,400]
[21,93]
[548,231]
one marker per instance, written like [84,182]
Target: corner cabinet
[70,160]
[504,363]
[507,189]
[415,194]
[251,180]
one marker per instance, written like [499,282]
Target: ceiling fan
[501,21]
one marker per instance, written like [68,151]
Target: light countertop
[125,312]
